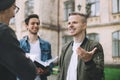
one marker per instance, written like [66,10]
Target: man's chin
[34,33]
[71,34]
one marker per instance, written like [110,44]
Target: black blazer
[12,58]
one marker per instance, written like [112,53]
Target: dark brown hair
[29,17]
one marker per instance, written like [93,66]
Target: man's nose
[70,25]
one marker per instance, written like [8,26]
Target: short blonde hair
[84,19]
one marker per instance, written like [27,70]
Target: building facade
[103,23]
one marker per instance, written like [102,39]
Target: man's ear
[84,26]
[26,26]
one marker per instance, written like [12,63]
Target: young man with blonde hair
[81,59]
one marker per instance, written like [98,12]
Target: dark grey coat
[12,59]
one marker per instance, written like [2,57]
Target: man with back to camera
[81,59]
[13,62]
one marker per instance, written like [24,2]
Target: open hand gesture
[85,55]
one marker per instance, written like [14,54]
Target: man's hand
[85,55]
[41,71]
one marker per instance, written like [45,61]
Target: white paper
[31,56]
[47,63]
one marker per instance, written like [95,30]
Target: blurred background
[103,26]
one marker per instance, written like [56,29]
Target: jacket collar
[84,41]
[41,41]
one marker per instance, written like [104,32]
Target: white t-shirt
[36,50]
[72,69]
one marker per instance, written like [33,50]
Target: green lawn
[55,70]
[112,73]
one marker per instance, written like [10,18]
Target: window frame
[115,6]
[95,7]
[116,44]
[69,6]
[95,35]
[29,7]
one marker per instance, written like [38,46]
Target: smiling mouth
[71,30]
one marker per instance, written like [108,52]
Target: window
[115,6]
[66,39]
[93,36]
[29,7]
[68,8]
[116,44]
[95,7]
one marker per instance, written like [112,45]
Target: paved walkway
[52,77]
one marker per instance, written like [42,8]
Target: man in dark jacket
[81,59]
[13,62]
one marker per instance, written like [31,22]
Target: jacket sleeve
[49,57]
[12,56]
[95,67]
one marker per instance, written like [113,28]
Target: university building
[103,24]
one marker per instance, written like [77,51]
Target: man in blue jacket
[32,44]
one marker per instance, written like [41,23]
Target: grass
[55,70]
[112,73]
